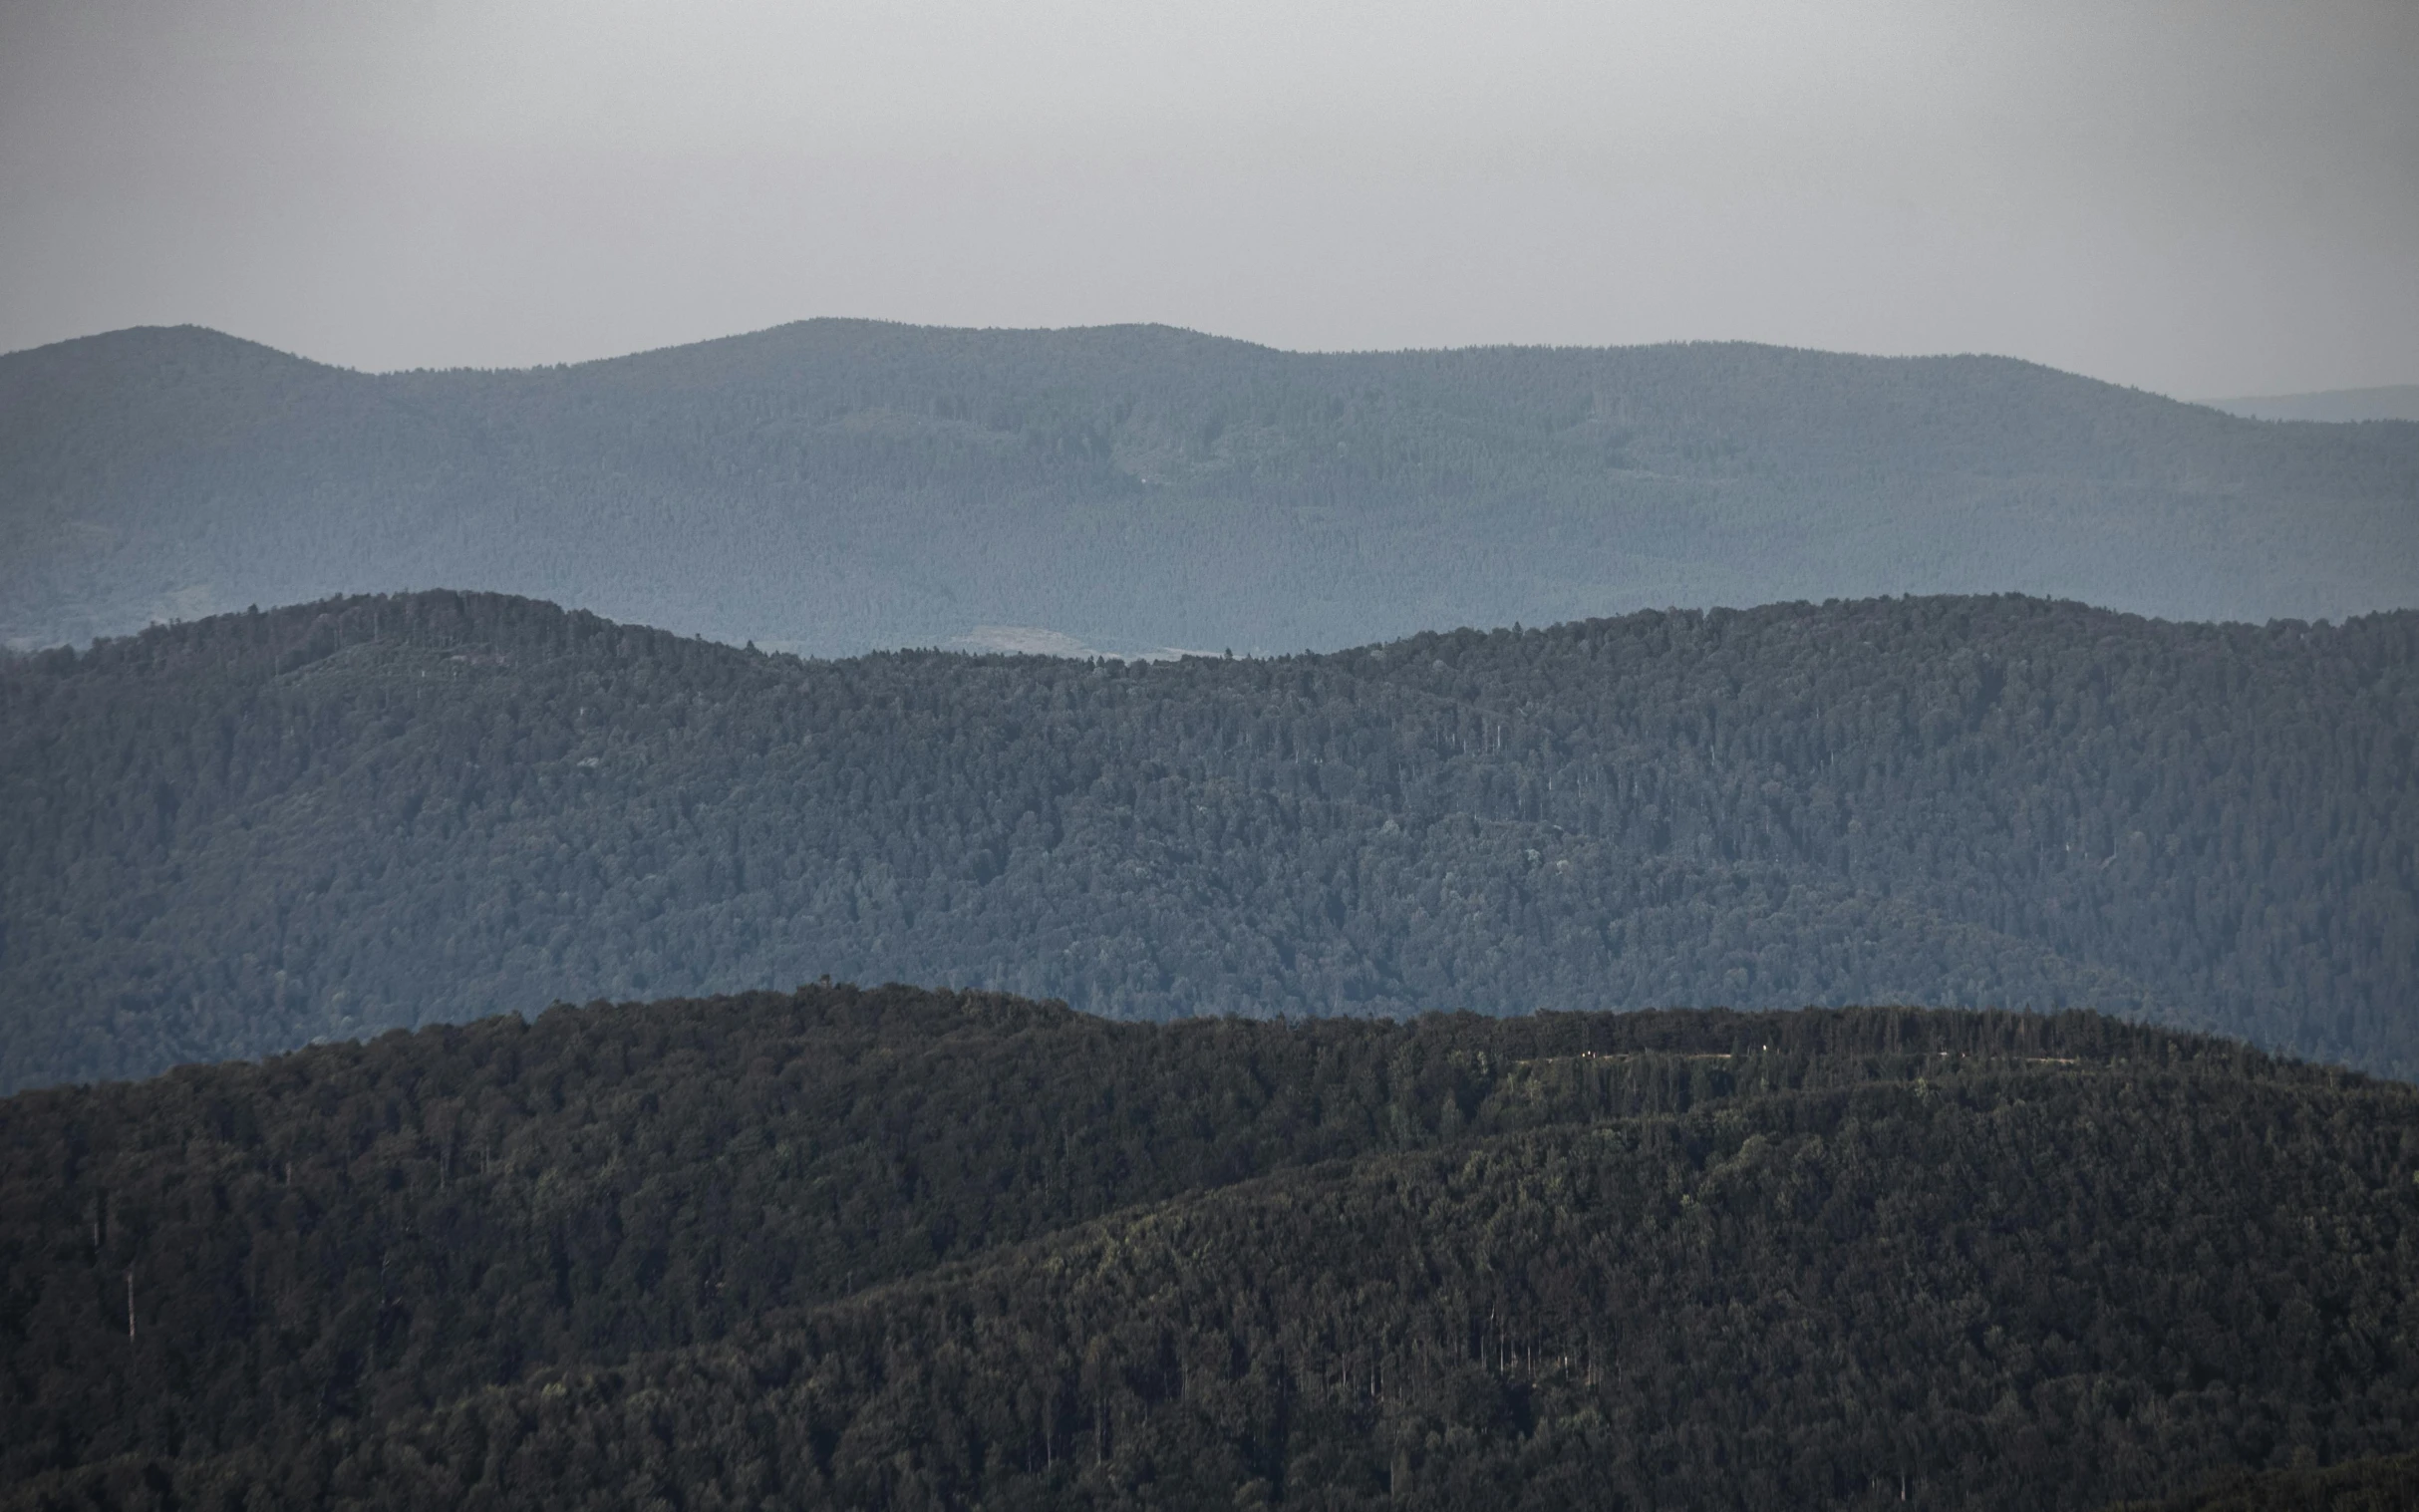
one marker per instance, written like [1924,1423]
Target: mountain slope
[232,837]
[836,486]
[900,1249]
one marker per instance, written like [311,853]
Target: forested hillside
[899,1249]
[2381,1484]
[235,837]
[836,487]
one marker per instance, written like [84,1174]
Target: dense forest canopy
[235,837]
[835,486]
[2383,1483]
[902,1249]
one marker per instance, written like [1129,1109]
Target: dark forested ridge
[895,1249]
[232,838]
[835,486]
[2382,1484]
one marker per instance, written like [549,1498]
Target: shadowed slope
[902,1249]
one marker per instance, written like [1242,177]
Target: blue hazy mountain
[833,487]
[2334,406]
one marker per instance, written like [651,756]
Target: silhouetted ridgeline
[834,486]
[909,1249]
[234,837]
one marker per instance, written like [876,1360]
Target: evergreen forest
[237,836]
[839,486]
[2386,1483]
[899,1248]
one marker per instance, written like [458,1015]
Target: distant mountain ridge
[234,837]
[834,486]
[2332,406]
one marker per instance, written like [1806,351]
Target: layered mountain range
[1451,1067]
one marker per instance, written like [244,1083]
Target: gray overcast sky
[2200,198]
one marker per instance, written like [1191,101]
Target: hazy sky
[2200,198]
